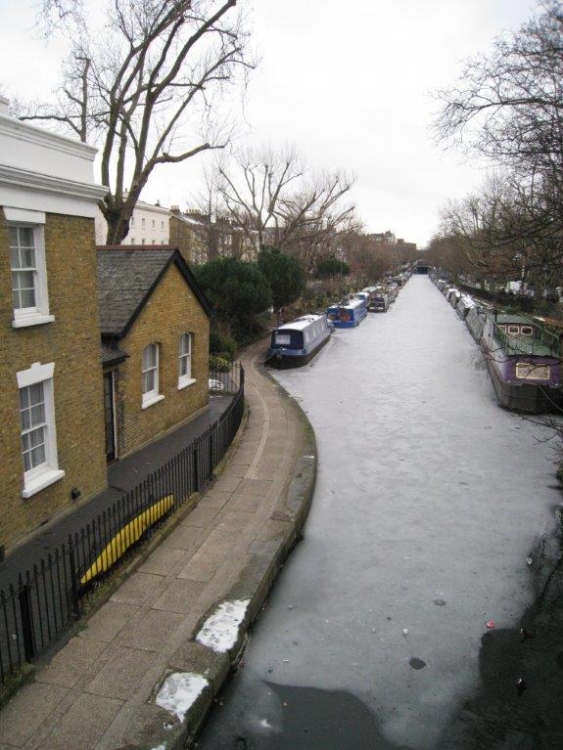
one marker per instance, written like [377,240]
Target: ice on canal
[429,500]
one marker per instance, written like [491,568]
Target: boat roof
[353,304]
[300,323]
[507,318]
[516,345]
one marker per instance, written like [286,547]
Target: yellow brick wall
[171,311]
[72,342]
[191,242]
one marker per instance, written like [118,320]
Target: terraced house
[102,353]
[155,335]
[51,397]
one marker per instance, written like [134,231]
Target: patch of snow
[220,630]
[179,692]
[215,385]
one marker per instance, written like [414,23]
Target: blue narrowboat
[347,315]
[296,343]
[524,362]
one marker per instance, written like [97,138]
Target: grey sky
[348,84]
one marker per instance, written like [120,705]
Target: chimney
[4,106]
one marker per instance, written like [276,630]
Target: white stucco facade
[44,171]
[150,225]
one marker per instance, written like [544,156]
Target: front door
[109,415]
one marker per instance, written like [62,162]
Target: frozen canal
[429,500]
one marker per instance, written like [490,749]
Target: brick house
[154,322]
[51,397]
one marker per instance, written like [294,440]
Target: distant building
[149,225]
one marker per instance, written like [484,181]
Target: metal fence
[48,598]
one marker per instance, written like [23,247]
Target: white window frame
[151,396]
[185,361]
[48,472]
[38,314]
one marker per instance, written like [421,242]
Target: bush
[219,364]
[222,344]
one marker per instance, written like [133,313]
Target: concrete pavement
[144,670]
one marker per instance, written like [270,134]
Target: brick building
[51,397]
[155,334]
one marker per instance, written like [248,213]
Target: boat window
[283,339]
[532,371]
[513,330]
[502,328]
[527,331]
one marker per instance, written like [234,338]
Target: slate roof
[126,279]
[111,356]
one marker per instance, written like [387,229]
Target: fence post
[74,588]
[196,469]
[24,597]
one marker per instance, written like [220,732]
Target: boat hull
[529,398]
[281,360]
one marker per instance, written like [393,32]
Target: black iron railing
[49,597]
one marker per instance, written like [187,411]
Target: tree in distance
[284,273]
[238,292]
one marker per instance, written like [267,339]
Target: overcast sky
[349,84]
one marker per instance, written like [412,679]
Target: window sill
[185,383]
[151,400]
[42,480]
[32,320]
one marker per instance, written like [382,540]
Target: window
[531,371]
[132,221]
[153,223]
[150,376]
[38,433]
[142,223]
[28,269]
[185,361]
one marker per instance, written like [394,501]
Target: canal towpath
[145,668]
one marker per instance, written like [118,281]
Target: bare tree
[507,105]
[250,187]
[493,229]
[139,88]
[276,201]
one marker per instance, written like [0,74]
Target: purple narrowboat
[524,362]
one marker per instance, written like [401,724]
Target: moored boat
[347,315]
[524,362]
[296,343]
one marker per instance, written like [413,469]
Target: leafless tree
[146,89]
[276,201]
[497,231]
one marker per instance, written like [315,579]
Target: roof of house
[126,279]
[112,356]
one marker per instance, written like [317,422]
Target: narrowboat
[464,304]
[475,322]
[296,343]
[363,296]
[347,315]
[524,362]
[378,302]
